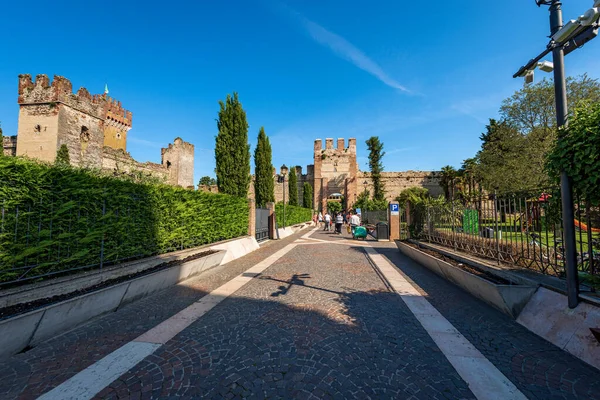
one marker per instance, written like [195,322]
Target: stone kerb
[510,299]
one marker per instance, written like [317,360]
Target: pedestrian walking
[327,221]
[354,222]
[339,221]
[320,219]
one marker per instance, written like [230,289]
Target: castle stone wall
[178,159]
[396,182]
[82,134]
[119,161]
[37,134]
[9,145]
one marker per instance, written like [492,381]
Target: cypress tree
[1,143]
[62,156]
[376,153]
[232,151]
[307,196]
[293,186]
[263,170]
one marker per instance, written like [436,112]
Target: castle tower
[50,115]
[178,158]
[117,122]
[335,171]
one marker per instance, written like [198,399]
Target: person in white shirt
[339,220]
[354,222]
[327,221]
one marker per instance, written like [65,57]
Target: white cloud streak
[347,51]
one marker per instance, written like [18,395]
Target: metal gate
[373,217]
[262,224]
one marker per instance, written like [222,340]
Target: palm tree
[448,175]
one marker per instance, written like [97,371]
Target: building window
[85,134]
[37,128]
[168,164]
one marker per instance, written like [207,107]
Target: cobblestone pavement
[318,323]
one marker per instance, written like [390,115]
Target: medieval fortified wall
[93,127]
[335,172]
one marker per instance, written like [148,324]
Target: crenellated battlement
[339,148]
[60,90]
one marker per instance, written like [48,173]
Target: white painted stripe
[94,378]
[307,234]
[484,379]
[89,382]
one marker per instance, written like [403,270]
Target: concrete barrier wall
[510,299]
[36,326]
[68,284]
[290,230]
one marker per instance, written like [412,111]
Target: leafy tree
[207,181]
[263,170]
[307,196]
[514,149]
[334,207]
[362,201]
[232,151]
[447,178]
[509,161]
[578,153]
[62,156]
[469,172]
[1,143]
[413,195]
[533,107]
[293,187]
[376,153]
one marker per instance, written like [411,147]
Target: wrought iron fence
[523,229]
[372,217]
[45,238]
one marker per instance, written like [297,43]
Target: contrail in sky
[346,50]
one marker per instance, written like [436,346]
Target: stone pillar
[324,195]
[271,208]
[251,218]
[394,221]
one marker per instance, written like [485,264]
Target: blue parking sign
[394,209]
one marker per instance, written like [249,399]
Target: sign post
[394,220]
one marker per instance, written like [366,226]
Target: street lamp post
[564,39]
[560,93]
[284,171]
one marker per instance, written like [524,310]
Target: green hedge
[293,215]
[59,218]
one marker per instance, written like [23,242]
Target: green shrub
[293,215]
[59,218]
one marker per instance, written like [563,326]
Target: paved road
[319,322]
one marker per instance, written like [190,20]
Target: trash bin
[383,232]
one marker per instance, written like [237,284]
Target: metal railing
[522,229]
[44,238]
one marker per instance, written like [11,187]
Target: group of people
[339,219]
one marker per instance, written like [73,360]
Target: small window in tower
[37,128]
[85,134]
[168,164]
[119,135]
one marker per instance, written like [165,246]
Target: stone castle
[335,172]
[93,127]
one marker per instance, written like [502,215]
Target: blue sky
[423,76]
